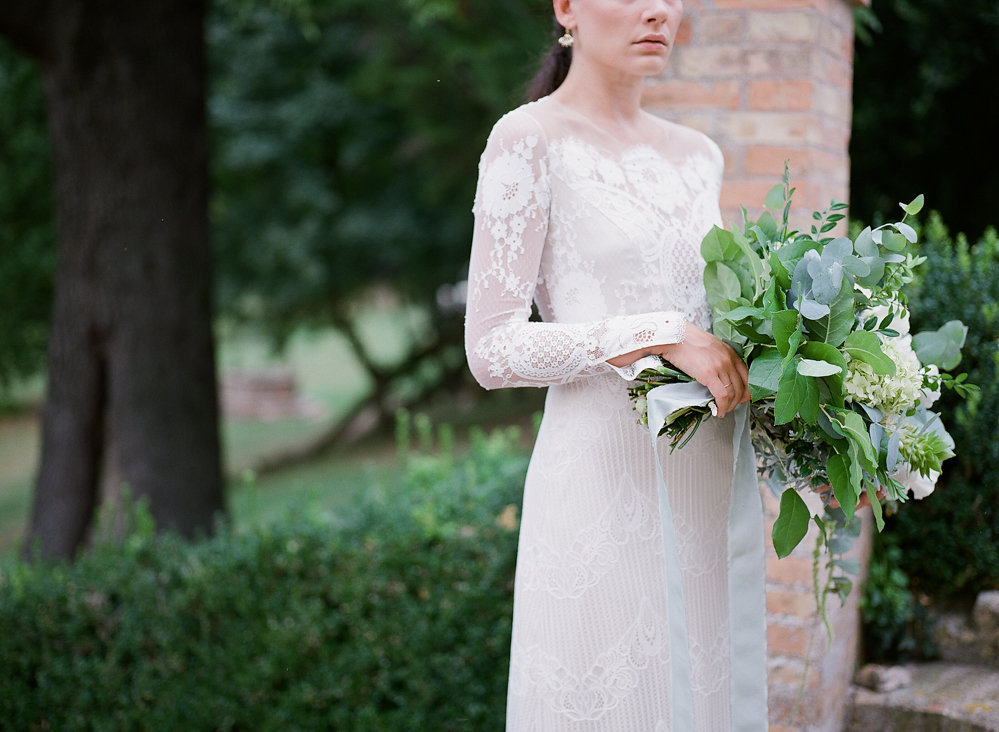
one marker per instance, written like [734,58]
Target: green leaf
[785,327]
[764,374]
[831,387]
[913,207]
[718,245]
[721,283]
[773,299]
[872,494]
[825,352]
[775,198]
[942,346]
[797,395]
[791,524]
[811,367]
[838,470]
[741,313]
[853,427]
[865,346]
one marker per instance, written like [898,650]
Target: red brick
[683,33]
[766,4]
[787,641]
[794,26]
[720,28]
[790,571]
[692,95]
[788,673]
[773,95]
[769,160]
[800,604]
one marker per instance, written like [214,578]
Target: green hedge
[397,618]
[950,542]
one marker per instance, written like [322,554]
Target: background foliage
[925,110]
[347,140]
[399,618]
[27,237]
[950,542]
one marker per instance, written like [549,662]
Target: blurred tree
[131,373]
[27,238]
[346,141]
[926,108]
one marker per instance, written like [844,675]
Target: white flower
[920,486]
[893,395]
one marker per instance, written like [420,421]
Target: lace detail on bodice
[604,241]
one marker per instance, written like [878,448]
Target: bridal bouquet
[840,390]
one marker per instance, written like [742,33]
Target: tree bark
[131,353]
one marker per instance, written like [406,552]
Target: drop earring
[566,40]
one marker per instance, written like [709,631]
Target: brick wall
[771,80]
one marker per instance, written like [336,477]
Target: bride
[594,210]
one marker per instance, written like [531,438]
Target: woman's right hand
[712,362]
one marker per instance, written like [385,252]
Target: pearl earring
[566,40]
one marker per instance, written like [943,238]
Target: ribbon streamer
[746,574]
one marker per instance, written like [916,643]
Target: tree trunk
[131,352]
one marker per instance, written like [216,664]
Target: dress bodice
[603,235]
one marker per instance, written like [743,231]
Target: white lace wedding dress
[605,239]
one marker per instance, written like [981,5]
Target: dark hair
[554,67]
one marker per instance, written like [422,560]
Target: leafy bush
[896,626]
[950,542]
[398,618]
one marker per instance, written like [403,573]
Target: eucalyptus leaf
[864,245]
[913,207]
[893,241]
[907,231]
[791,524]
[892,452]
[942,346]
[834,327]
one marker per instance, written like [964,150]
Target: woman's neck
[605,96]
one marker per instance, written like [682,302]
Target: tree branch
[26,25]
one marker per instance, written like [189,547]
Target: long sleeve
[503,346]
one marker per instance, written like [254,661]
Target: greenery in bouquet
[840,390]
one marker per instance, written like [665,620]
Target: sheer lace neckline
[670,143]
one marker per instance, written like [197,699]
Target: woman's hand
[712,362]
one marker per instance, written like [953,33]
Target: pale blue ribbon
[746,575]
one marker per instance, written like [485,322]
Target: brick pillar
[769,81]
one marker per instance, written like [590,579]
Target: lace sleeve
[503,347]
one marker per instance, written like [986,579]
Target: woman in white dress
[594,210]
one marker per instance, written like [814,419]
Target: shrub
[950,542]
[396,619]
